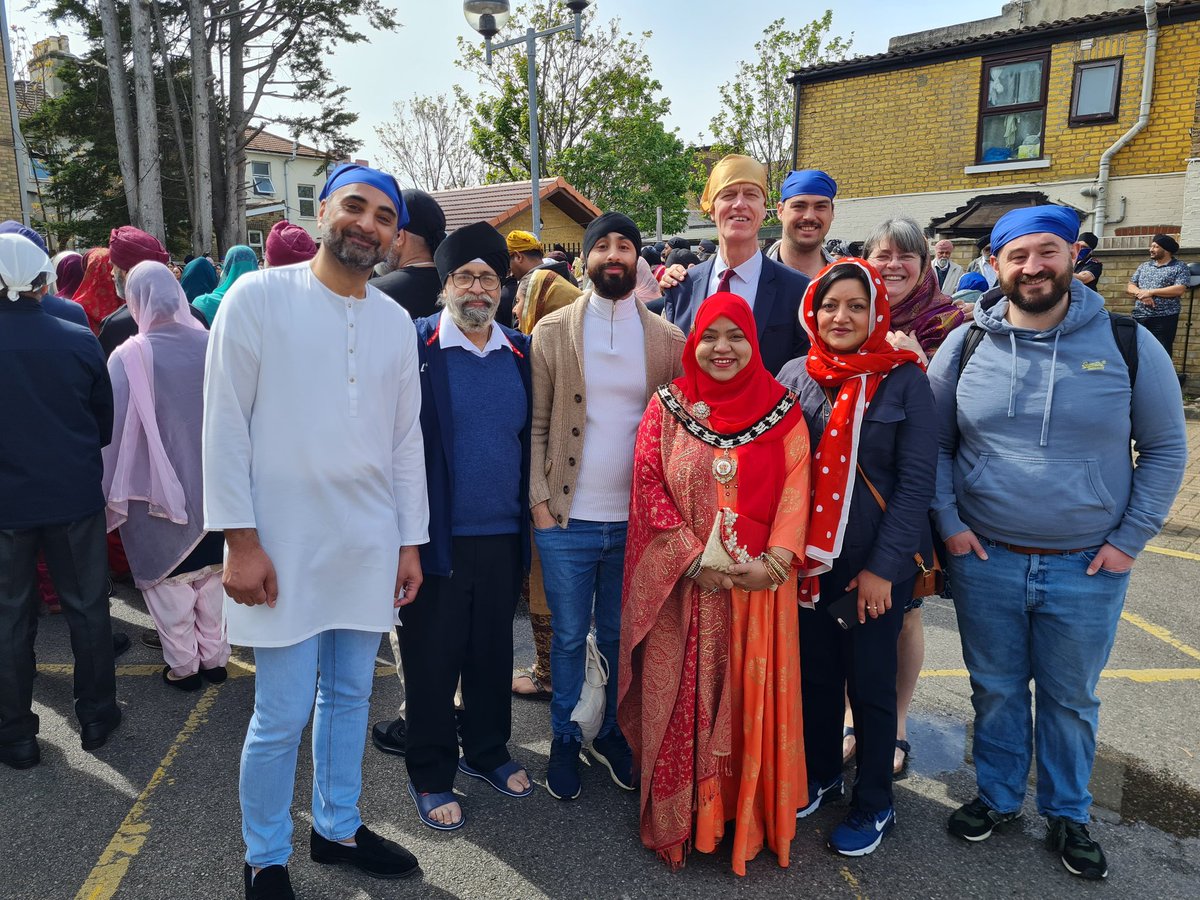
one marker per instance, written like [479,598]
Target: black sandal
[901,773]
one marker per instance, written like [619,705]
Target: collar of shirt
[450,335]
[744,282]
[614,310]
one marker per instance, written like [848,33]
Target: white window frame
[310,199]
[254,240]
[261,183]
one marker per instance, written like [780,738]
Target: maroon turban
[128,246]
[287,244]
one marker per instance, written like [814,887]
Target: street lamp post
[488,17]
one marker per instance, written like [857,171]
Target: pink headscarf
[137,466]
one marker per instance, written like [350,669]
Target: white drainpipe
[1100,210]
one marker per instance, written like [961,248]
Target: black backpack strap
[970,342]
[1125,333]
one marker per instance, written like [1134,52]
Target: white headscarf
[21,262]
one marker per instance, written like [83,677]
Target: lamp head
[487,16]
[577,6]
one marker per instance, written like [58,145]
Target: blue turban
[1057,220]
[350,173]
[808,181]
[14,227]
[972,281]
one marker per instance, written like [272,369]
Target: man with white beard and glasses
[596,364]
[475,417]
[314,469]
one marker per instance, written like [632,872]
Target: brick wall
[921,122]
[10,192]
[1118,266]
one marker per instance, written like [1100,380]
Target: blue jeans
[582,569]
[339,667]
[1038,617]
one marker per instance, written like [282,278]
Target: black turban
[606,224]
[425,218]
[1167,242]
[478,241]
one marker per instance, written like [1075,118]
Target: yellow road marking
[849,878]
[104,880]
[1167,551]
[236,669]
[1142,676]
[1161,633]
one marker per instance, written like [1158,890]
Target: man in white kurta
[314,468]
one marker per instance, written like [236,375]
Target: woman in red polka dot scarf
[870,416]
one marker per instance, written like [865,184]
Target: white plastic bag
[589,711]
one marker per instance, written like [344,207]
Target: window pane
[1012,136]
[1096,91]
[1019,82]
[306,191]
[260,168]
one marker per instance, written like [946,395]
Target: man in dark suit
[735,197]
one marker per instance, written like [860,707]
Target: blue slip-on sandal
[498,777]
[427,803]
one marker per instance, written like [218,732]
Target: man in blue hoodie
[1044,514]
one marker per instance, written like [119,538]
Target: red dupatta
[97,293]
[853,378]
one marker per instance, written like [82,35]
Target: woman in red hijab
[870,415]
[97,293]
[709,688]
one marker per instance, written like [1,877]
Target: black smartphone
[844,610]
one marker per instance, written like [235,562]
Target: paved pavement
[1182,530]
[154,814]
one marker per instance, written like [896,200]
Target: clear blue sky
[695,47]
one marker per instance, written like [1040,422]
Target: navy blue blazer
[436,429]
[781,337]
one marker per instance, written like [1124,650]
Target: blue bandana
[349,173]
[1057,220]
[808,181]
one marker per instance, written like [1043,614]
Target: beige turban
[733,169]
[523,242]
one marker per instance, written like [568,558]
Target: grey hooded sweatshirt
[1034,439]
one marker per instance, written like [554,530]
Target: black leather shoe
[271,883]
[94,735]
[215,675]
[121,643]
[21,754]
[374,855]
[390,737]
[192,682]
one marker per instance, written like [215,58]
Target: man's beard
[473,318]
[119,283]
[802,240]
[1035,304]
[613,287]
[360,259]
[942,263]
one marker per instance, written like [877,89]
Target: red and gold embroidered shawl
[710,686]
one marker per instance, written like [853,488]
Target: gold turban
[733,169]
[523,242]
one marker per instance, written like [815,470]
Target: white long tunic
[312,435]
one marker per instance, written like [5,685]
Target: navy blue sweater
[56,410]
[438,431]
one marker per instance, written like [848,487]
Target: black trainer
[1080,854]
[975,821]
[271,883]
[374,855]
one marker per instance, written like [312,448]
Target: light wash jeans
[582,569]
[339,667]
[1024,617]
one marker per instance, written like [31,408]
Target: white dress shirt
[744,282]
[450,335]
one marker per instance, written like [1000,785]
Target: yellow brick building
[944,132]
[10,191]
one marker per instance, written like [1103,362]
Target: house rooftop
[266,142]
[498,203]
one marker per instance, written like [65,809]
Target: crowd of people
[724,478]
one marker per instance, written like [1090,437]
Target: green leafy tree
[599,115]
[757,105]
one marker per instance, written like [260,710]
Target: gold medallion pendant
[724,468]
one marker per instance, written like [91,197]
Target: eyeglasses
[488,282]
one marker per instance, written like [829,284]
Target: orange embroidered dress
[710,684]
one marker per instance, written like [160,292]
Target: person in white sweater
[596,363]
